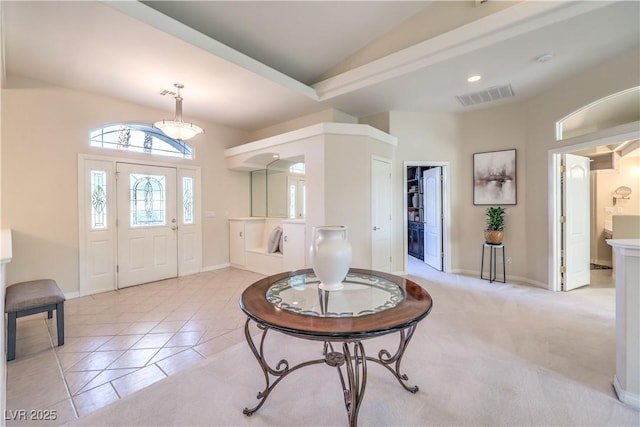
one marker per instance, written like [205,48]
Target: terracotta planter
[493,237]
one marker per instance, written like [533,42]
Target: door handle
[375,228]
[174,228]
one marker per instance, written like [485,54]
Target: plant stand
[492,263]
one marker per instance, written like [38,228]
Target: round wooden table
[370,304]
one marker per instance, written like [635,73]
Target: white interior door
[576,230]
[147,224]
[433,217]
[381,214]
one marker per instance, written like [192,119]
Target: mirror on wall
[277,173]
[279,190]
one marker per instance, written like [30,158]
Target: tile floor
[117,343]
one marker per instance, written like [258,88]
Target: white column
[627,379]
[5,257]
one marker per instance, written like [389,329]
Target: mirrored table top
[362,294]
[371,303]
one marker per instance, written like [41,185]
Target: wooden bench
[26,298]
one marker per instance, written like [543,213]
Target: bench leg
[60,322]
[11,336]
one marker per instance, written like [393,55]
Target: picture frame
[495,178]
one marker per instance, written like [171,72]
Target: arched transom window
[141,139]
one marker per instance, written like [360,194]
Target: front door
[576,229]
[147,224]
[381,214]
[433,217]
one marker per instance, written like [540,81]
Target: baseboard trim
[606,263]
[631,399]
[510,279]
[215,267]
[72,295]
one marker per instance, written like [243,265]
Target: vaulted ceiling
[251,64]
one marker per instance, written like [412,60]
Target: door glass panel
[148,200]
[187,200]
[98,200]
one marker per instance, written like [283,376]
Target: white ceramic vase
[330,256]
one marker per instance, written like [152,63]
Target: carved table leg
[353,357]
[280,371]
[356,376]
[386,359]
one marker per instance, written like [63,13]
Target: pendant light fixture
[176,128]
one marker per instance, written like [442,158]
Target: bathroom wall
[605,182]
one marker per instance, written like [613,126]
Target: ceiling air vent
[491,94]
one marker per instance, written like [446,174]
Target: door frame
[446,249]
[582,142]
[427,226]
[184,268]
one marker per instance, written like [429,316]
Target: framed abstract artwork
[494,178]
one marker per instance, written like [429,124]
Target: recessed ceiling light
[474,78]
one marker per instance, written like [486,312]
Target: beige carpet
[488,354]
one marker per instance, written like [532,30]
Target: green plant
[495,218]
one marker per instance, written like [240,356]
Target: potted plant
[495,225]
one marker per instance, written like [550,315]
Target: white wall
[347,187]
[427,137]
[337,176]
[452,139]
[529,127]
[44,130]
[540,114]
[495,129]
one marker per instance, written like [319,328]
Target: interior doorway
[426,219]
[581,145]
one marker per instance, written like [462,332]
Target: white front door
[576,229]
[433,217]
[147,224]
[381,214]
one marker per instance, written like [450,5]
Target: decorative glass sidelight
[148,200]
[187,200]
[98,200]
